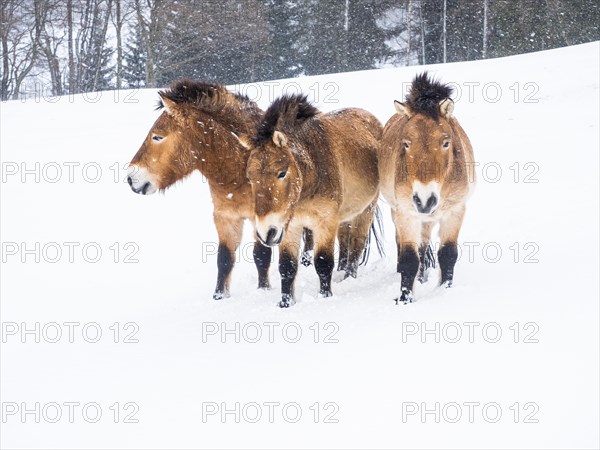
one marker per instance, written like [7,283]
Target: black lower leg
[353,261]
[224,265]
[447,257]
[262,259]
[343,259]
[408,266]
[344,247]
[324,264]
[288,267]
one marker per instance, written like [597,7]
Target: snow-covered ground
[174,369]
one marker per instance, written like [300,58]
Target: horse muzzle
[141,181]
[425,207]
[273,237]
[426,197]
[270,229]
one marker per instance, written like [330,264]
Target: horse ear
[402,109]
[279,139]
[243,139]
[446,108]
[170,105]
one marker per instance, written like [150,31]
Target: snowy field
[110,337]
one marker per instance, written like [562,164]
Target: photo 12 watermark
[268,91]
[490,91]
[470,332]
[69,252]
[470,412]
[270,332]
[71,412]
[69,332]
[270,412]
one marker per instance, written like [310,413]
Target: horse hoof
[306,259]
[220,295]
[447,284]
[325,294]
[264,287]
[350,274]
[405,298]
[286,301]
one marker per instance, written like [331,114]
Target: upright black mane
[426,94]
[286,111]
[202,95]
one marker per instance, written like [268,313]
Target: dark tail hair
[376,233]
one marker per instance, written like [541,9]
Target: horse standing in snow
[195,132]
[424,162]
[317,171]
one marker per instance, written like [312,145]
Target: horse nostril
[432,202]
[130,181]
[271,234]
[417,200]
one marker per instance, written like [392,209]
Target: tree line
[73,46]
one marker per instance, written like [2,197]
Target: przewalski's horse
[424,162]
[194,132]
[317,171]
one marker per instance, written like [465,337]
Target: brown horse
[424,163]
[195,132]
[315,171]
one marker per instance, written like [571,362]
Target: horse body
[425,165]
[315,171]
[194,132]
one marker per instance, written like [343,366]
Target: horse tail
[428,257]
[376,234]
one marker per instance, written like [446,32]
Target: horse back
[354,136]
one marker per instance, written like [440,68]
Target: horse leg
[426,255]
[262,259]
[309,244]
[448,254]
[359,234]
[343,236]
[324,260]
[407,236]
[288,265]
[230,235]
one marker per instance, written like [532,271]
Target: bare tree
[148,16]
[92,56]
[22,22]
[99,43]
[423,58]
[445,16]
[70,46]
[409,32]
[485,29]
[51,41]
[123,10]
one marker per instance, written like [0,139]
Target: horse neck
[308,170]
[218,154]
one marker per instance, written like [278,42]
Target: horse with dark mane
[316,171]
[196,132]
[424,165]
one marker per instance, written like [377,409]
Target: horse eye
[405,145]
[281,174]
[446,144]
[157,138]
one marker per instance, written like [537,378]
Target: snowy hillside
[507,358]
